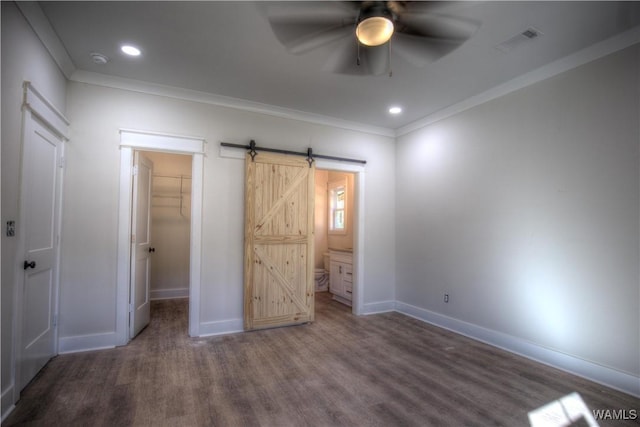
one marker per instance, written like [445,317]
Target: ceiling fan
[363,33]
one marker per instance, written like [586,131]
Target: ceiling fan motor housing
[374,8]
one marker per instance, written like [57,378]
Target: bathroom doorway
[335,225]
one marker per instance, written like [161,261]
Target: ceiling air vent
[515,41]
[98,58]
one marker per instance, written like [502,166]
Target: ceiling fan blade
[304,26]
[436,26]
[373,60]
[304,9]
[421,51]
[444,7]
[344,60]
[312,40]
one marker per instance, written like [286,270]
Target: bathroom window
[338,207]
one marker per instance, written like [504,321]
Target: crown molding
[581,57]
[98,79]
[42,28]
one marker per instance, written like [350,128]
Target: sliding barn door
[278,271]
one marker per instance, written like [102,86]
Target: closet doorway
[170,225]
[132,141]
[160,235]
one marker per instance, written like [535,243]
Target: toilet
[321,275]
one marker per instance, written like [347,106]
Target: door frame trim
[130,141]
[358,229]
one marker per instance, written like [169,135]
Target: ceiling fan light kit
[374,31]
[375,24]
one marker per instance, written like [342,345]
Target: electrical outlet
[11,228]
[446,297]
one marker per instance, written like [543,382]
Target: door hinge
[133,238]
[55,320]
[130,308]
[61,162]
[134,171]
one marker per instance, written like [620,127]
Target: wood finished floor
[379,370]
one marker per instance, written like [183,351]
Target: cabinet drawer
[348,291]
[348,273]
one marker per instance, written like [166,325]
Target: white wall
[525,210]
[170,225]
[23,58]
[89,248]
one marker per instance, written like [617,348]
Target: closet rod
[310,155]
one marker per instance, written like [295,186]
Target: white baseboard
[341,300]
[601,374]
[221,327]
[80,343]
[378,307]
[156,294]
[8,405]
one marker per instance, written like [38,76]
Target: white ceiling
[229,49]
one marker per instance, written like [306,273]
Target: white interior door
[140,306]
[40,198]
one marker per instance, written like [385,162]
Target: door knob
[152,250]
[28,264]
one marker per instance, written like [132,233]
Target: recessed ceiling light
[130,50]
[395,110]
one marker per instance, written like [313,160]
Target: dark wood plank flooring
[380,370]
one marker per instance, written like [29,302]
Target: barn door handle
[152,250]
[28,264]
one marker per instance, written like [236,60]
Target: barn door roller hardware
[253,149]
